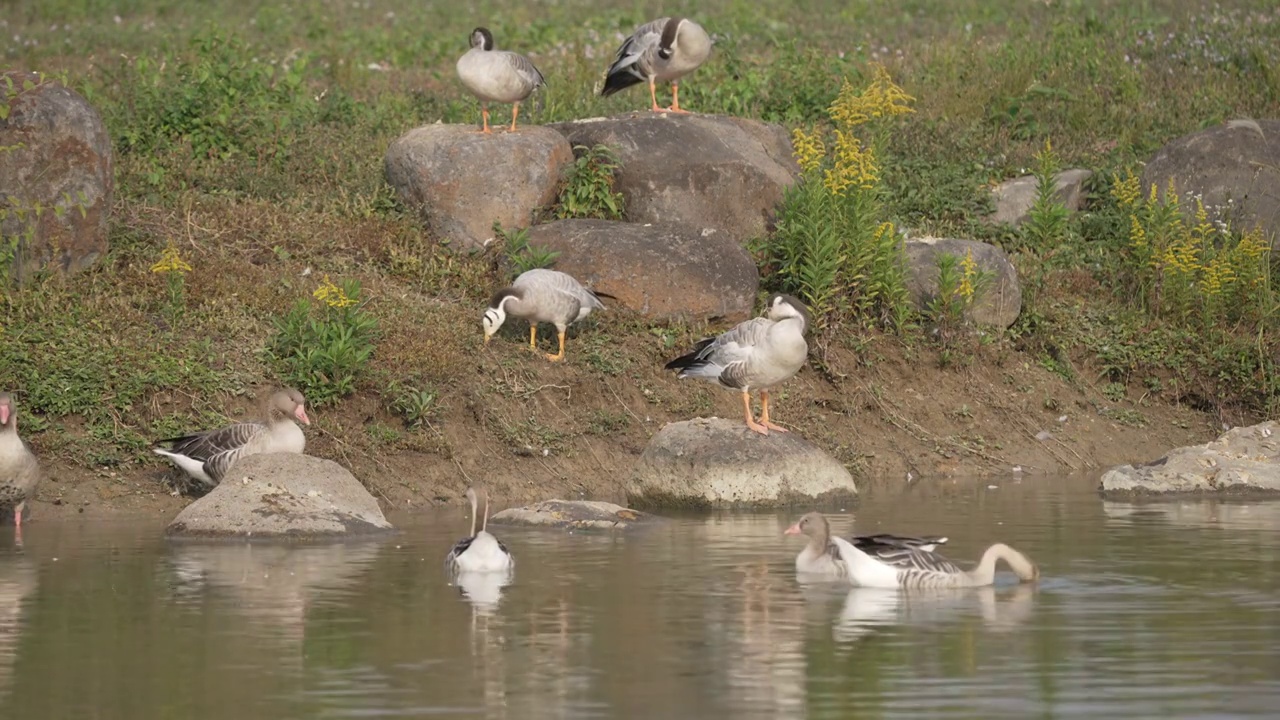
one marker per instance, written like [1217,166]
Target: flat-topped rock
[576,515]
[719,463]
[1015,198]
[1243,460]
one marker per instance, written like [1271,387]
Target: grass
[250,140]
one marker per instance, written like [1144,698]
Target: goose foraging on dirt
[891,561]
[497,75]
[540,295]
[662,50]
[207,456]
[19,470]
[759,353]
[479,551]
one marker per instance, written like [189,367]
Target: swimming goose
[207,456]
[658,51]
[479,551]
[758,353]
[496,75]
[540,295]
[891,561]
[19,470]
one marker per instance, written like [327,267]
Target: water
[1164,610]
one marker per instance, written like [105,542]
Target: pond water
[1164,610]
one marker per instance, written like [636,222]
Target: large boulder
[283,494]
[1244,459]
[1015,198]
[56,176]
[719,463]
[996,305]
[661,270]
[700,171]
[461,180]
[575,515]
[1232,167]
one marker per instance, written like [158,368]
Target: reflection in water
[483,589]
[867,610]
[18,580]
[1233,514]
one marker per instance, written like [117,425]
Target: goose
[479,551]
[207,456]
[891,561]
[759,353]
[496,75]
[662,50]
[19,470]
[541,295]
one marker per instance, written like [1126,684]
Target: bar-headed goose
[207,456]
[891,561]
[540,295]
[496,75]
[759,353]
[663,50]
[19,470]
[479,551]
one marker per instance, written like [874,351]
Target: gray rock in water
[663,271]
[1232,167]
[1243,460]
[283,495]
[719,463]
[461,181]
[699,171]
[1015,198]
[56,176]
[998,305]
[576,515]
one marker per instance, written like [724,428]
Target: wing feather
[204,445]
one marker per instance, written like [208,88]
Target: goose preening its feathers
[663,50]
[497,75]
[19,470]
[548,296]
[759,353]
[479,551]
[207,456]
[892,561]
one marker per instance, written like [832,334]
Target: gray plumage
[542,296]
[20,472]
[497,75]
[662,50]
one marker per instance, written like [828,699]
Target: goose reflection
[18,580]
[870,610]
[482,589]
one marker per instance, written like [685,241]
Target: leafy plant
[325,342]
[519,254]
[588,190]
[414,405]
[960,284]
[174,269]
[1047,222]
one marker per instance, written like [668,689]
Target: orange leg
[751,422]
[764,413]
[533,336]
[653,95]
[484,114]
[675,98]
[560,355]
[515,110]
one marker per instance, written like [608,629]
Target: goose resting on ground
[496,75]
[891,561]
[548,296]
[207,456]
[658,51]
[479,551]
[19,470]
[759,353]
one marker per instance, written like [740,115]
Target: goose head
[496,313]
[7,417]
[782,306]
[289,403]
[482,38]
[670,32]
[813,526]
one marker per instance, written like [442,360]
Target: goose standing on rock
[759,353]
[497,75]
[662,50]
[207,456]
[541,295]
[19,470]
[480,551]
[892,561]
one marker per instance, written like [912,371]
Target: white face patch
[492,321]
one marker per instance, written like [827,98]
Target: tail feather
[619,80]
[691,360]
[599,294]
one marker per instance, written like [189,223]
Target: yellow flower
[1253,244]
[854,166]
[809,150]
[882,98]
[1126,191]
[1217,275]
[1137,234]
[171,261]
[332,295]
[969,272]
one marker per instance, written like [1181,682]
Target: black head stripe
[668,37]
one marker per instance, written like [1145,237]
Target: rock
[56,176]
[719,463]
[283,494]
[699,171]
[997,305]
[1233,167]
[575,515]
[1015,198]
[1244,459]
[662,271]
[461,181]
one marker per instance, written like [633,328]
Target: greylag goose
[207,456]
[662,50]
[496,75]
[19,470]
[540,295]
[479,551]
[759,353]
[891,561]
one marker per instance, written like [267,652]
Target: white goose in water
[497,75]
[539,295]
[663,50]
[19,470]
[207,456]
[891,561]
[479,551]
[759,353]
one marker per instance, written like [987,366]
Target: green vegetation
[588,191]
[323,347]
